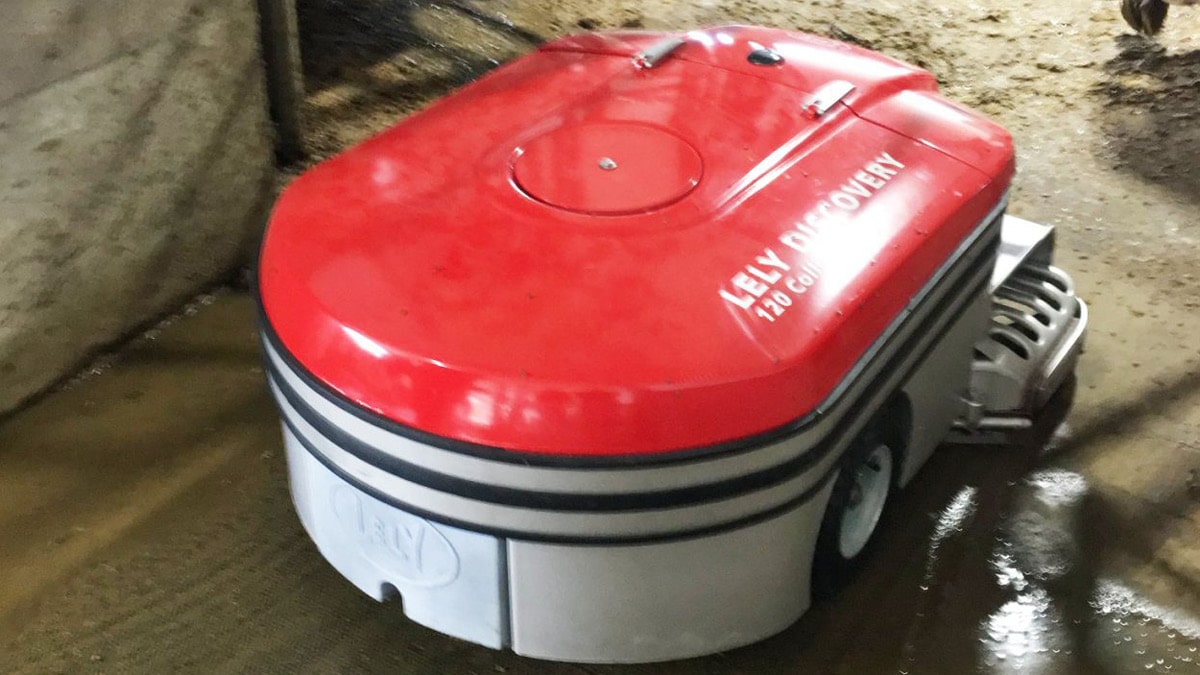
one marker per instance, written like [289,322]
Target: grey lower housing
[1033,342]
[624,562]
[613,603]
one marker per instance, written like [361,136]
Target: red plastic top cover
[577,254]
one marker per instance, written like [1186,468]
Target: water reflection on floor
[1047,602]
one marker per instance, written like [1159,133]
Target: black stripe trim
[944,312]
[985,237]
[579,540]
[505,533]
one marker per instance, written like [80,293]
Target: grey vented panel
[1038,325]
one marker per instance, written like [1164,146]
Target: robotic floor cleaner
[618,353]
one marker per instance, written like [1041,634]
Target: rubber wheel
[860,497]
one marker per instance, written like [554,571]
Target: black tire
[832,570]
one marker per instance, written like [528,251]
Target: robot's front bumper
[1035,338]
[559,561]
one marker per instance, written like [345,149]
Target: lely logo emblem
[408,547]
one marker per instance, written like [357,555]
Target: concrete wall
[135,167]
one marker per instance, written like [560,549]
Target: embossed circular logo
[409,548]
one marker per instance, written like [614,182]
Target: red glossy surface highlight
[607,168]
[412,275]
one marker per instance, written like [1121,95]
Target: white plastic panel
[939,388]
[670,600]
[449,579]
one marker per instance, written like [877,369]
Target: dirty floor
[144,515]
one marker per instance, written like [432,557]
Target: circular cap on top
[607,168]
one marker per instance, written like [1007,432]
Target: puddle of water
[1115,599]
[1058,617]
[1024,635]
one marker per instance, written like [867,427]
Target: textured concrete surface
[134,167]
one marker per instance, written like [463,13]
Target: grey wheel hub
[868,494]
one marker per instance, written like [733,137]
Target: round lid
[607,168]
